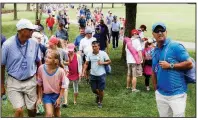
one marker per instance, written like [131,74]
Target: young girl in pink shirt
[52,83]
[75,68]
[147,64]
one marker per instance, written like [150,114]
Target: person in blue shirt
[82,21]
[82,11]
[170,59]
[62,32]
[3,39]
[79,37]
[102,35]
[21,58]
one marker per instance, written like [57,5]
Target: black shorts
[50,28]
[98,82]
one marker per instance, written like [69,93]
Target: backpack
[189,75]
[107,69]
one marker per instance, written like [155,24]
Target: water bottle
[41,109]
[4,99]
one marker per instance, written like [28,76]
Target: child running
[75,69]
[52,83]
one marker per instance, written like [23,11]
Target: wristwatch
[171,65]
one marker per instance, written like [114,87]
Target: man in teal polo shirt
[21,57]
[169,59]
[98,61]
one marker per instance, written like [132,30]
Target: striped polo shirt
[170,81]
[20,60]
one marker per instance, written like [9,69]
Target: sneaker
[135,90]
[147,88]
[128,88]
[87,80]
[99,105]
[64,105]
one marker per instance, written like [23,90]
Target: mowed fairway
[119,102]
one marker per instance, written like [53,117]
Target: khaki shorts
[134,70]
[21,93]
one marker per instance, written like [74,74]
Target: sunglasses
[159,30]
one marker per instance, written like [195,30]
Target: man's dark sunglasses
[159,30]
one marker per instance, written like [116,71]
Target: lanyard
[20,48]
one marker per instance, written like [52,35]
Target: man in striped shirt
[21,58]
[169,60]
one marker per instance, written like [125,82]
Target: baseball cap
[158,24]
[25,23]
[70,47]
[143,26]
[53,41]
[88,30]
[134,31]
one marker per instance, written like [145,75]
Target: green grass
[118,102]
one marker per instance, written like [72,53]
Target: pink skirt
[147,70]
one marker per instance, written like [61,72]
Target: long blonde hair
[56,56]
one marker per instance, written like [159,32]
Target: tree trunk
[112,5]
[131,10]
[28,7]
[41,11]
[37,11]
[91,5]
[15,11]
[2,5]
[102,5]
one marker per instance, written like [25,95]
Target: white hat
[24,23]
[88,30]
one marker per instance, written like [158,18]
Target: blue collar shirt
[20,60]
[170,81]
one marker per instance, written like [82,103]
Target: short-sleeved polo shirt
[77,40]
[14,57]
[97,70]
[170,81]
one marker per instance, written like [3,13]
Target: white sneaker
[147,88]
[135,90]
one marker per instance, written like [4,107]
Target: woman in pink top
[147,64]
[75,68]
[51,84]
